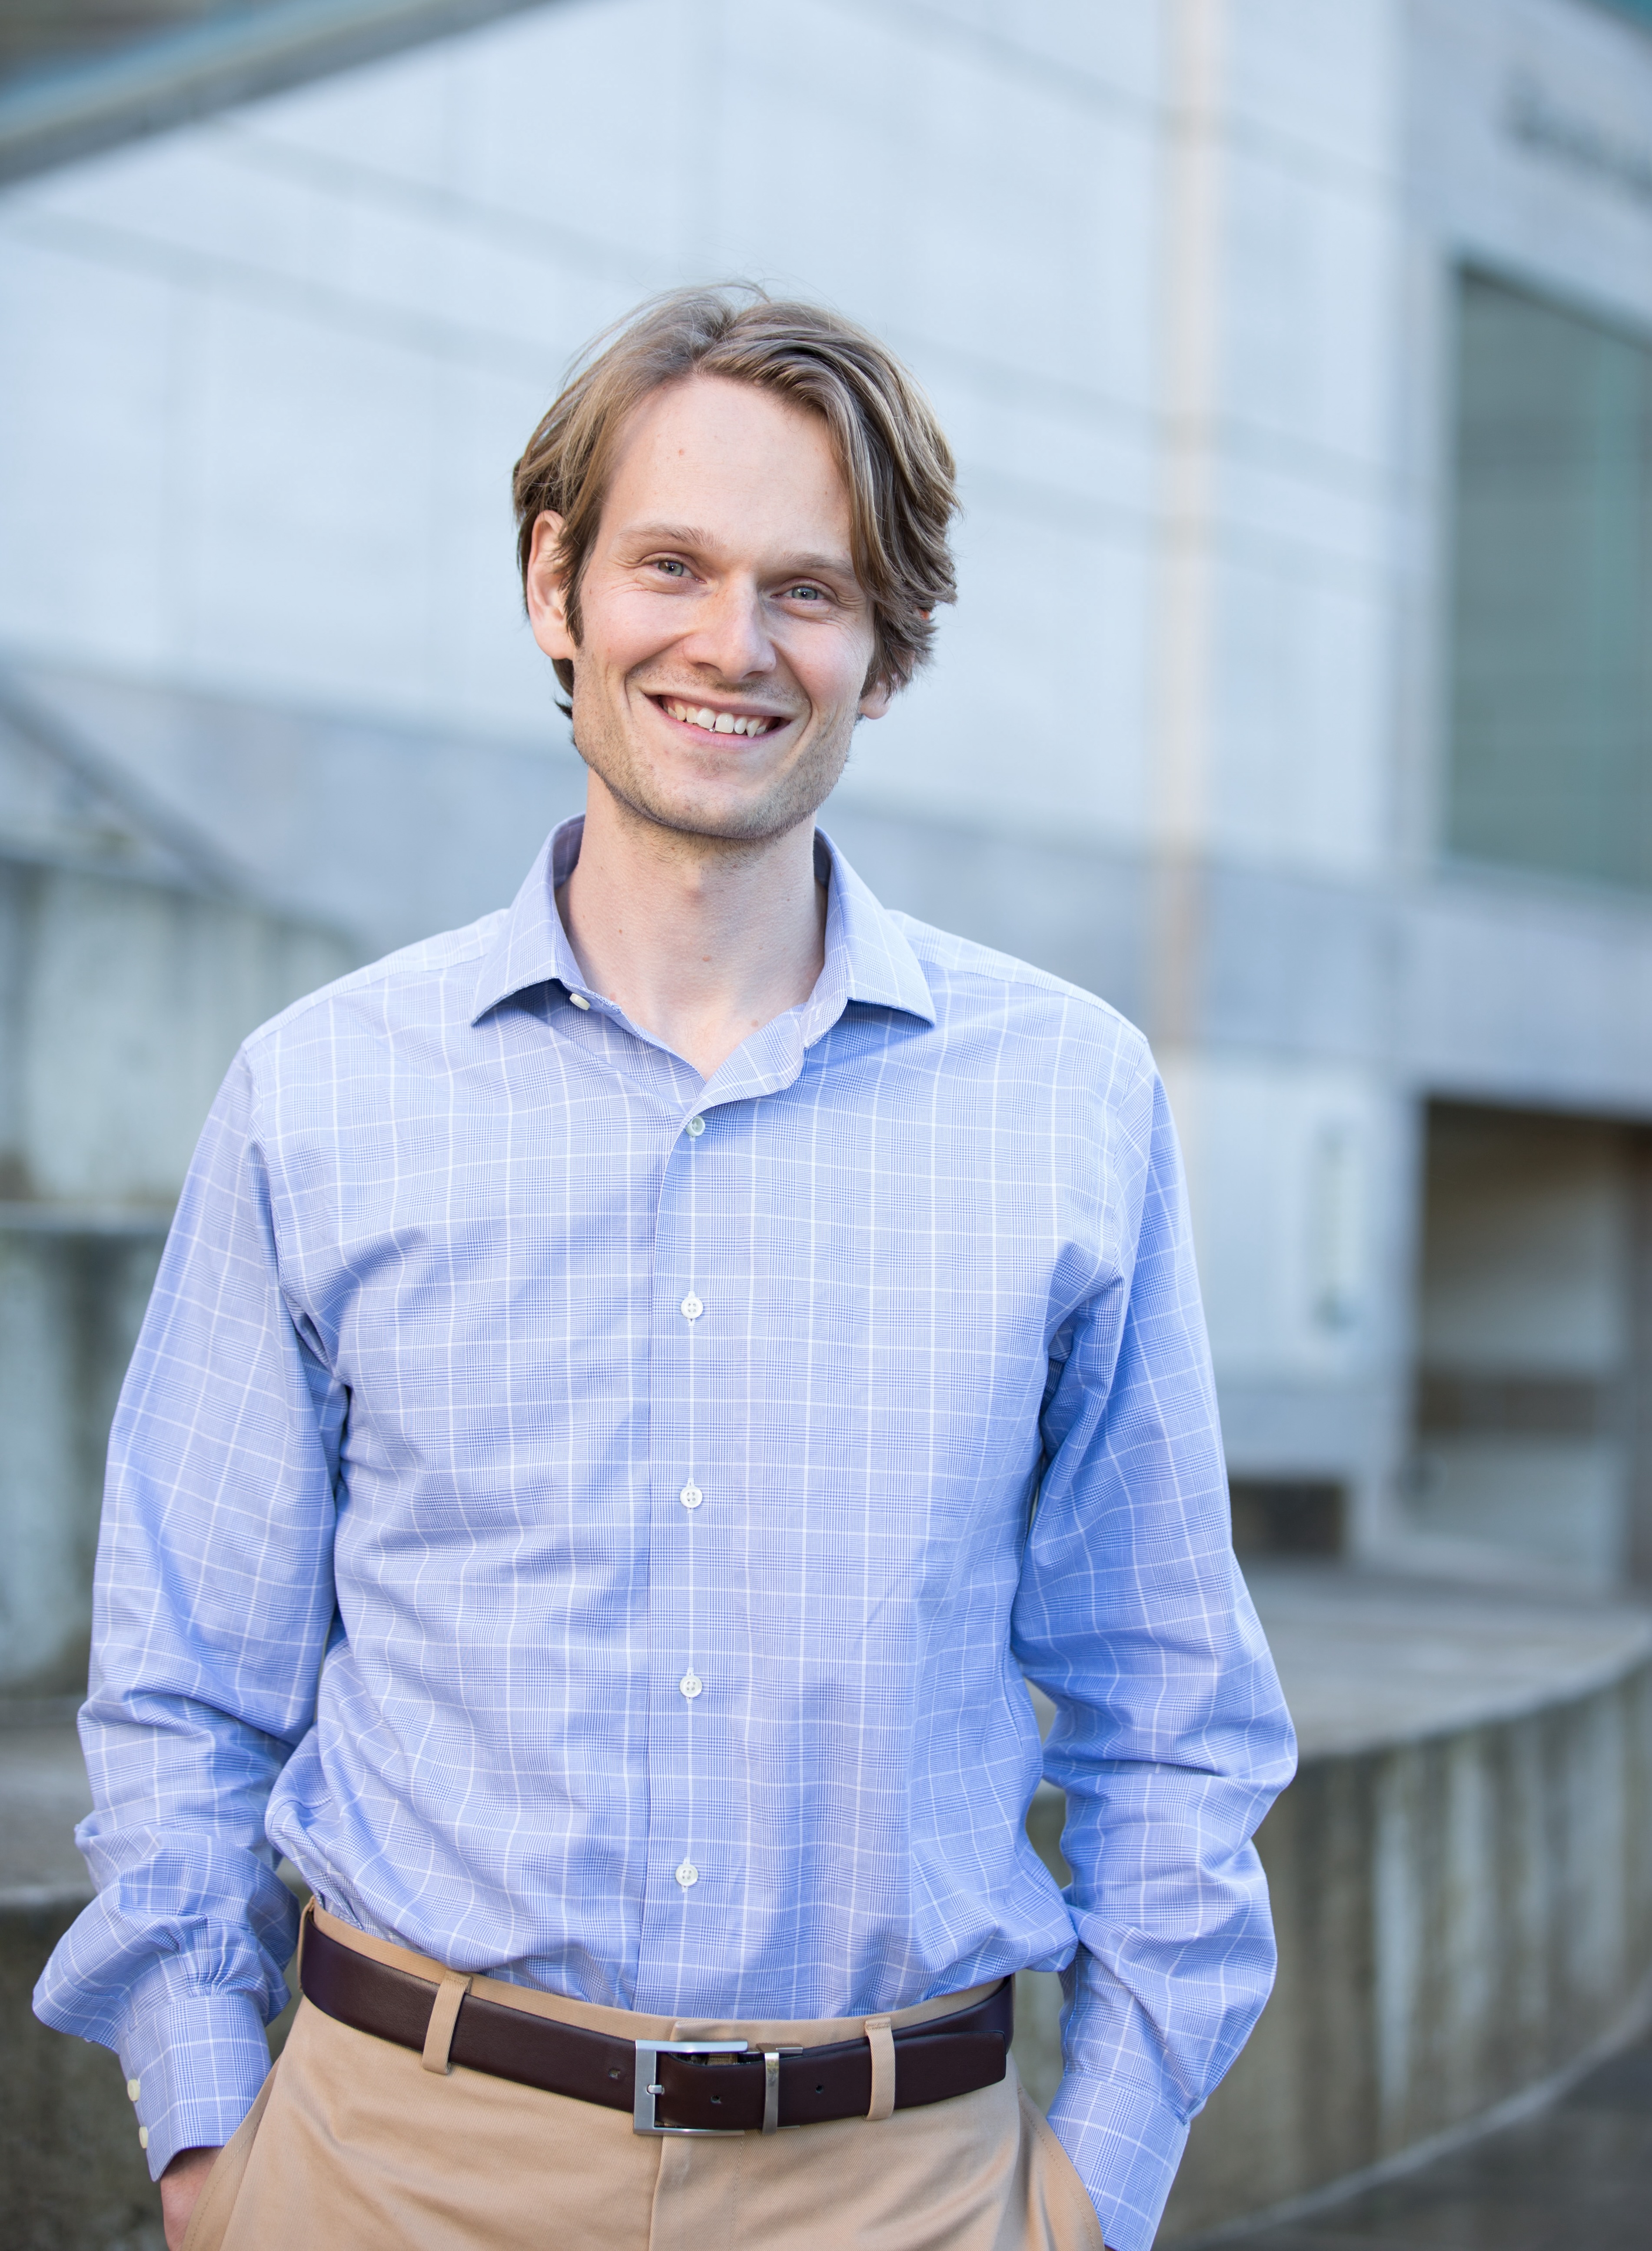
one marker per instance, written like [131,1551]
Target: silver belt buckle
[643,2120]
[772,2086]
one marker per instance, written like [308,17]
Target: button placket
[691,1686]
[692,1310]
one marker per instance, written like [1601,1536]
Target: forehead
[743,462]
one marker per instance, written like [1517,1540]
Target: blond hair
[895,461]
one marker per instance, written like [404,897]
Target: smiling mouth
[705,720]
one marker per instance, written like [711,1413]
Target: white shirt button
[143,2138]
[691,1308]
[687,1874]
[579,1000]
[691,1495]
[132,2088]
[691,1685]
[695,1128]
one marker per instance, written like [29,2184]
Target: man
[632,1388]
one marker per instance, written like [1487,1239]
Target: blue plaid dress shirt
[595,1522]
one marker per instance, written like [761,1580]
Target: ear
[876,701]
[545,591]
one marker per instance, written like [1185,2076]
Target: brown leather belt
[669,2086]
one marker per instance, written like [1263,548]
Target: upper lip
[699,702]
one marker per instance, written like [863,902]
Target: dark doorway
[1530,1415]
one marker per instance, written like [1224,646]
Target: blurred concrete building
[132,959]
[1299,696]
[1299,699]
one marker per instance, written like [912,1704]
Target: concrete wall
[1188,323]
[122,1000]
[1459,1919]
[1463,1909]
[127,1001]
[72,2177]
[1154,753]
[71,1303]
[1461,1878]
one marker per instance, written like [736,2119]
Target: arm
[1171,1738]
[214,1597]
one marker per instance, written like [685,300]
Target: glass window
[1551,757]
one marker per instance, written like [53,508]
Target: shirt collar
[868,958]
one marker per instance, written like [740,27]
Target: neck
[699,940]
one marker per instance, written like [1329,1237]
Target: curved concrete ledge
[1462,1878]
[71,2176]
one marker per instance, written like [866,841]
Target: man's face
[726,638]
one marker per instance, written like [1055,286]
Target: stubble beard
[794,794]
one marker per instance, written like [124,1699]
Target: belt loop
[443,2015]
[881,2038]
[305,1921]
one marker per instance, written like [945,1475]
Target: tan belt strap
[879,2034]
[443,2015]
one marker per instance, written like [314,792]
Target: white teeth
[715,723]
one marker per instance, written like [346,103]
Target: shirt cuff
[1125,2144]
[193,2070]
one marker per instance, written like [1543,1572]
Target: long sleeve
[1171,1737]
[213,1602]
[417,1392]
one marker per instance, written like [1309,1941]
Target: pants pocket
[1066,2202]
[213,2207]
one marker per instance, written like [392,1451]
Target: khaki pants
[352,2146]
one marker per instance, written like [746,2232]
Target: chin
[728,824]
[753,818]
[766,806]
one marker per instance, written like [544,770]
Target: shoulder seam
[995,967]
[390,971]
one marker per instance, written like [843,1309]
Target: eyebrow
[689,536]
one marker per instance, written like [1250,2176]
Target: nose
[730,635]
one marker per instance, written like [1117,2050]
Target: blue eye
[671,562]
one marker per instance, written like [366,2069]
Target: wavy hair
[895,461]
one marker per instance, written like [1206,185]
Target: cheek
[624,630]
[833,674]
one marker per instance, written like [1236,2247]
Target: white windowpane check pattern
[675,1490]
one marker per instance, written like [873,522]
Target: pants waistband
[634,2025]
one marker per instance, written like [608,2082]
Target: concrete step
[1577,2177]
[71,2176]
